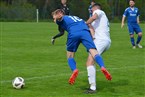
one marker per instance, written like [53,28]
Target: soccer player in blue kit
[90,8]
[132,14]
[78,32]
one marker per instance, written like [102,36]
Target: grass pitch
[26,51]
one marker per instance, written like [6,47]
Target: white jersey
[101,26]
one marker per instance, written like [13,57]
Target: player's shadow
[108,85]
[111,85]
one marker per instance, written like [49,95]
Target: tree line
[25,10]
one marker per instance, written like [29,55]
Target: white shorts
[102,45]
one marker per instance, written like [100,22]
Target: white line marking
[64,74]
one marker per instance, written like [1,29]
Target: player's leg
[72,65]
[61,32]
[138,40]
[71,61]
[72,45]
[132,41]
[99,60]
[131,32]
[139,32]
[91,74]
[102,46]
[89,44]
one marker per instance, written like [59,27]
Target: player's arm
[91,19]
[91,30]
[122,23]
[123,17]
[138,14]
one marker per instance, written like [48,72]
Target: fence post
[37,15]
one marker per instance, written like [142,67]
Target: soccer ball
[18,83]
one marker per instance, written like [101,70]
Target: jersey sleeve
[125,12]
[98,12]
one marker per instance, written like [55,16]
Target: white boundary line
[64,74]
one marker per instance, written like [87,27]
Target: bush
[17,12]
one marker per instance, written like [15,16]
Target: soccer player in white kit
[99,27]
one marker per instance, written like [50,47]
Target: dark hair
[92,1]
[131,0]
[97,4]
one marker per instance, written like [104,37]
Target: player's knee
[131,35]
[90,61]
[140,34]
[93,52]
[70,54]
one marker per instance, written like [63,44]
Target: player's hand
[122,25]
[54,19]
[93,37]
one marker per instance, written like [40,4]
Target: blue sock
[132,41]
[72,63]
[99,60]
[138,39]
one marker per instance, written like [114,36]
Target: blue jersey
[90,11]
[131,14]
[72,24]
[78,32]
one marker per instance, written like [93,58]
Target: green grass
[26,51]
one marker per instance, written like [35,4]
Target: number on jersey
[75,19]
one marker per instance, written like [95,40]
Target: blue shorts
[134,27]
[83,37]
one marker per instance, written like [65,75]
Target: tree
[18,10]
[15,9]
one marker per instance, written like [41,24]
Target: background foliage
[25,10]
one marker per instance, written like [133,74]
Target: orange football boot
[106,73]
[73,77]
